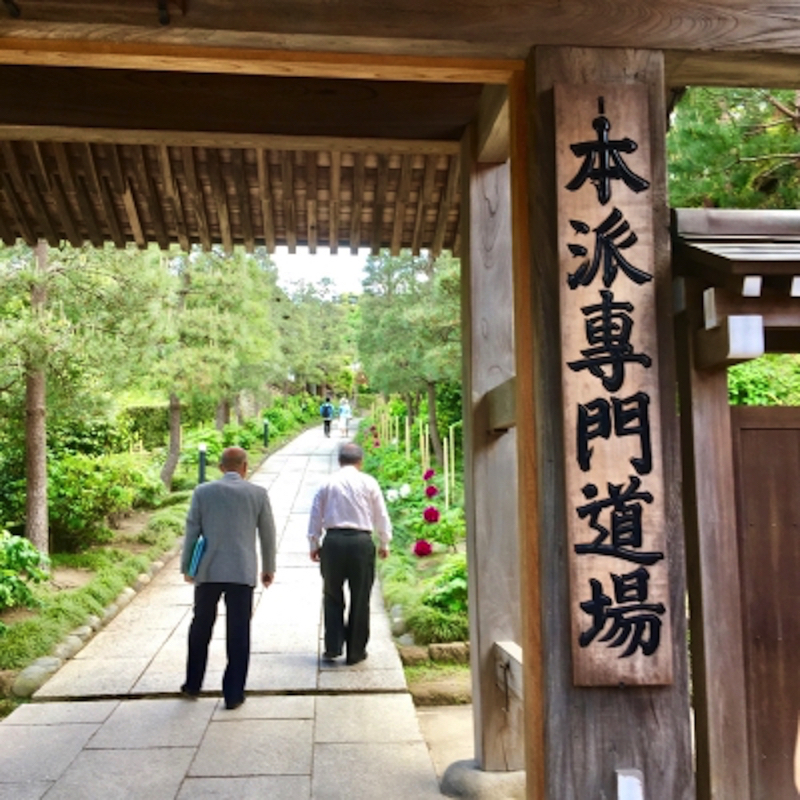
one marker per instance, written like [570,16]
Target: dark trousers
[326,427]
[347,556]
[239,608]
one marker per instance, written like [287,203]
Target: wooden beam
[445,204]
[335,201]
[65,212]
[196,195]
[151,198]
[378,204]
[99,185]
[174,197]
[219,192]
[6,229]
[73,187]
[709,502]
[776,312]
[311,202]
[403,189]
[733,340]
[265,195]
[356,201]
[423,200]
[41,212]
[23,223]
[251,61]
[508,666]
[243,196]
[71,134]
[289,211]
[493,125]
[137,229]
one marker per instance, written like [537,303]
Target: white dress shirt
[349,499]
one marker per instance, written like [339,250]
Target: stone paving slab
[61,713]
[24,791]
[154,774]
[366,718]
[255,747]
[370,771]
[273,787]
[94,678]
[145,724]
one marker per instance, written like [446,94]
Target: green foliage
[92,437]
[449,590]
[772,380]
[434,625]
[21,564]
[734,148]
[84,492]
[148,424]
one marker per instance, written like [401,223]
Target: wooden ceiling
[92,155]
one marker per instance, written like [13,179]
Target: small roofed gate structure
[738,297]
[472,126]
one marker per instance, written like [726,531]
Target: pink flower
[429,473]
[431,514]
[422,547]
[431,491]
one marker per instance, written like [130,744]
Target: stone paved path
[110,723]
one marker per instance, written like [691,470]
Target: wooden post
[718,675]
[408,439]
[446,475]
[490,459]
[579,738]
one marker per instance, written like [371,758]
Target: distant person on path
[345,412]
[326,412]
[348,508]
[227,512]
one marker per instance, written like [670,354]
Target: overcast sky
[343,269]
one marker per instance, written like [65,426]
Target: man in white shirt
[348,508]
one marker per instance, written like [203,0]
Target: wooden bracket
[501,404]
[508,670]
[732,340]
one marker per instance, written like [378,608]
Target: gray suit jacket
[228,512]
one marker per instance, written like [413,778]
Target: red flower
[431,491]
[376,443]
[422,547]
[431,514]
[429,473]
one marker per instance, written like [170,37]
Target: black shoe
[233,706]
[326,656]
[356,659]
[189,694]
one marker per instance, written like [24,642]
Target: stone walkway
[110,723]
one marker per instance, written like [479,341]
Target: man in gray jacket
[227,512]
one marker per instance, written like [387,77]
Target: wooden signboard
[619,595]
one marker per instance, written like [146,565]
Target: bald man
[228,512]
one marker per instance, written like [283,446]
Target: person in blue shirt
[326,412]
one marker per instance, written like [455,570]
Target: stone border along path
[110,722]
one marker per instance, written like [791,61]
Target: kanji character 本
[625,531]
[633,621]
[603,162]
[606,251]
[630,418]
[608,331]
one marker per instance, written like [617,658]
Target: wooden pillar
[580,740]
[490,457]
[718,677]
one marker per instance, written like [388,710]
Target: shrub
[20,565]
[84,492]
[429,624]
[449,590]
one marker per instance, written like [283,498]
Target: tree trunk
[223,413]
[36,427]
[174,440]
[436,440]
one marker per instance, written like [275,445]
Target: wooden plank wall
[589,733]
[491,461]
[766,448]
